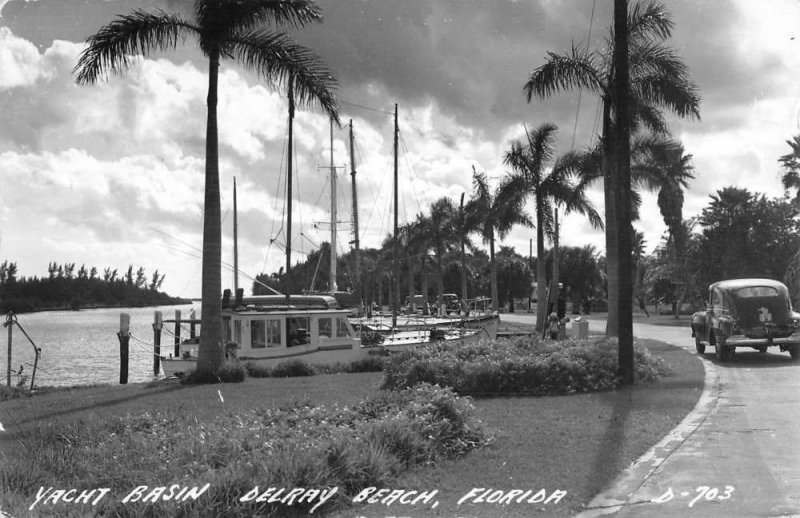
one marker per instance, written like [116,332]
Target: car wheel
[794,351]
[721,350]
[700,346]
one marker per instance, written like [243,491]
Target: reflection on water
[80,347]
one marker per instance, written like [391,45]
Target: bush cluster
[368,444]
[518,366]
[235,373]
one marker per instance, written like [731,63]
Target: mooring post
[124,340]
[192,328]
[177,333]
[158,323]
[8,322]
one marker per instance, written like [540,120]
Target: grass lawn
[576,444]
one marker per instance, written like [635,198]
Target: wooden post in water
[8,365]
[192,328]
[177,333]
[124,340]
[158,323]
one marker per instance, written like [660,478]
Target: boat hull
[319,356]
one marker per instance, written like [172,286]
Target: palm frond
[580,69]
[648,20]
[112,48]
[222,17]
[278,58]
[541,142]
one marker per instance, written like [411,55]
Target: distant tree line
[68,288]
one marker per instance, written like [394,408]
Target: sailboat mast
[235,242]
[355,215]
[289,191]
[333,286]
[395,280]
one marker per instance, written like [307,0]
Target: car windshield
[756,291]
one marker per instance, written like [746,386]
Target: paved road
[736,455]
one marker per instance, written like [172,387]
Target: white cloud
[20,62]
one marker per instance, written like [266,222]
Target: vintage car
[754,313]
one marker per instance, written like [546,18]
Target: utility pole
[356,243]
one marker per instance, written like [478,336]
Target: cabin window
[325,328]
[341,327]
[274,333]
[226,329]
[297,333]
[265,333]
[237,331]
[258,336]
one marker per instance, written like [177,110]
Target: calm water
[81,347]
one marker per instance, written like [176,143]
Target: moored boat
[270,335]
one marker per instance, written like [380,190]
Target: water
[80,347]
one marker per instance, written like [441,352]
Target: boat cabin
[260,333]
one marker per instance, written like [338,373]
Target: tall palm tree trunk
[609,191]
[210,354]
[464,293]
[622,142]
[426,310]
[541,271]
[493,267]
[554,291]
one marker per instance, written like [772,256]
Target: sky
[111,174]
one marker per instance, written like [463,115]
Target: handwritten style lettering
[53,496]
[281,495]
[386,496]
[173,492]
[480,495]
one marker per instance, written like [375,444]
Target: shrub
[300,445]
[255,370]
[518,366]
[369,364]
[227,373]
[293,368]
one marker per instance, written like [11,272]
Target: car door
[715,306]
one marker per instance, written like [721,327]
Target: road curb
[621,491]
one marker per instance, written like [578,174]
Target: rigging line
[384,222]
[341,101]
[580,92]
[275,204]
[414,173]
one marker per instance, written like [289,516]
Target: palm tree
[658,80]
[443,222]
[224,29]
[495,213]
[530,161]
[791,166]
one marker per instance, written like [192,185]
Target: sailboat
[471,321]
[269,329]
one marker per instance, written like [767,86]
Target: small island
[66,288]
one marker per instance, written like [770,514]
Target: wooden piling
[158,323]
[192,325]
[8,365]
[124,341]
[177,333]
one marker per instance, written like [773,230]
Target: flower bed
[519,366]
[301,446]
